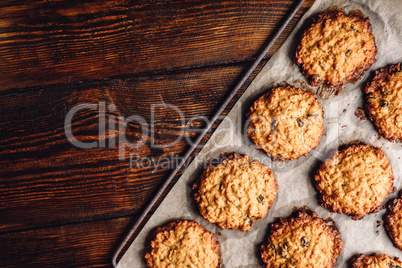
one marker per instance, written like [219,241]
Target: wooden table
[65,206]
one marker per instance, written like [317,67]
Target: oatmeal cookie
[286,123]
[236,192]
[393,221]
[384,101]
[336,48]
[302,240]
[355,180]
[375,261]
[183,244]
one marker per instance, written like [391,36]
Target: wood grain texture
[48,42]
[43,172]
[73,245]
[62,206]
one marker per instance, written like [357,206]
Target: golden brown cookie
[384,101]
[393,221]
[375,261]
[302,240]
[183,244]
[236,192]
[286,123]
[336,48]
[355,180]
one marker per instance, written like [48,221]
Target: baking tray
[294,177]
[217,114]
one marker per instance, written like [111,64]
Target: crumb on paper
[360,113]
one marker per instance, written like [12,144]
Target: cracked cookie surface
[336,48]
[393,221]
[302,240]
[384,101]
[355,180]
[183,244]
[236,192]
[286,123]
[375,261]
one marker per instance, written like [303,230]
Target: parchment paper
[294,178]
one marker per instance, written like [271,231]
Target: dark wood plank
[47,181]
[48,42]
[75,245]
[184,54]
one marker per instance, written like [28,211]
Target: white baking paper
[294,177]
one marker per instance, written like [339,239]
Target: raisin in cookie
[355,180]
[336,48]
[302,240]
[375,261]
[393,221]
[286,123]
[236,192]
[183,244]
[384,101]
